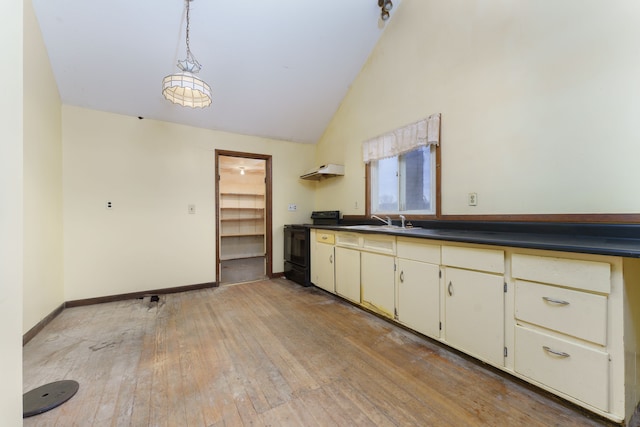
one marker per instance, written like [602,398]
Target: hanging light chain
[187,38]
[190,64]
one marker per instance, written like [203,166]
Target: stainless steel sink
[370,227]
[366,227]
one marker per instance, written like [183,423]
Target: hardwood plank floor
[267,354]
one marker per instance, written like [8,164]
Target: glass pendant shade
[187,90]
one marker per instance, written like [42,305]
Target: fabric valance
[402,140]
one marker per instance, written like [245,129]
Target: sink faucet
[386,221]
[402,218]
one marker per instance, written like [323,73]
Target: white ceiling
[277,68]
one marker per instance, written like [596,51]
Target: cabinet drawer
[417,250]
[490,260]
[575,313]
[588,275]
[577,371]
[378,243]
[351,240]
[324,237]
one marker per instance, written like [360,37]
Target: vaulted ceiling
[277,68]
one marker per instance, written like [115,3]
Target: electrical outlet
[191,209]
[473,199]
[293,207]
[109,205]
[355,205]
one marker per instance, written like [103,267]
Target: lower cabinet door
[378,282]
[348,273]
[474,319]
[322,269]
[418,303]
[571,368]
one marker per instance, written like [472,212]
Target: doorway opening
[243,200]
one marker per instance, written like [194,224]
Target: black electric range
[297,262]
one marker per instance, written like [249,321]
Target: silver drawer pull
[555,301]
[555,352]
[324,237]
[402,277]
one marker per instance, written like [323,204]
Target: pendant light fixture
[186,88]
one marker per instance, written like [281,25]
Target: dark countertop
[602,239]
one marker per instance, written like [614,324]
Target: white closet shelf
[241,208]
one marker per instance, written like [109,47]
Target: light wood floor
[267,354]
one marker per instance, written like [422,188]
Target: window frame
[438,208]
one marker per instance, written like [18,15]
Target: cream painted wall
[43,277]
[11,256]
[151,171]
[539,100]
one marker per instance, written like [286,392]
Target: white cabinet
[474,318]
[564,365]
[474,302]
[377,261]
[347,267]
[418,286]
[322,260]
[378,283]
[578,314]
[561,338]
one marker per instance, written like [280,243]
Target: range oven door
[295,245]
[296,254]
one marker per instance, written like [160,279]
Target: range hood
[324,171]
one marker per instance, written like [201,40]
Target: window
[403,170]
[405,184]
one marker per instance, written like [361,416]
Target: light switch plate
[191,209]
[293,207]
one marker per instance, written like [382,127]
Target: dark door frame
[268,225]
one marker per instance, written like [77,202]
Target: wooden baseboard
[41,324]
[133,295]
[277,275]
